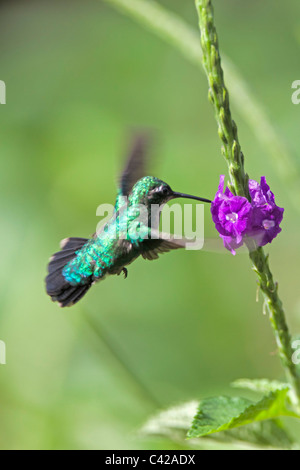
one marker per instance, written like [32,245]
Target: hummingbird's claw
[125,272]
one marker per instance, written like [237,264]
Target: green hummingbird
[83,262]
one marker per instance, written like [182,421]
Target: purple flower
[261,194]
[231,215]
[265,224]
[236,218]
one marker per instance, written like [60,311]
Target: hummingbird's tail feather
[71,295]
[59,289]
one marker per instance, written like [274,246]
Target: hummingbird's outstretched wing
[153,248]
[163,243]
[135,168]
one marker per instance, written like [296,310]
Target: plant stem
[172,29]
[231,149]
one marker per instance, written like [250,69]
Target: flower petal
[235,217]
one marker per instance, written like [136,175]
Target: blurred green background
[78,76]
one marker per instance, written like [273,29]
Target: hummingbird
[83,262]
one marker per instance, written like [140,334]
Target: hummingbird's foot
[125,272]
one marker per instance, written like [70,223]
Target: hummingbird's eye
[164,190]
[159,192]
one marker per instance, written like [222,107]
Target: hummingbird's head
[150,190]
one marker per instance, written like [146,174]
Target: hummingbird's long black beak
[188,196]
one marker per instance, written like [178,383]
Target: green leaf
[265,434]
[223,413]
[260,385]
[175,422]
